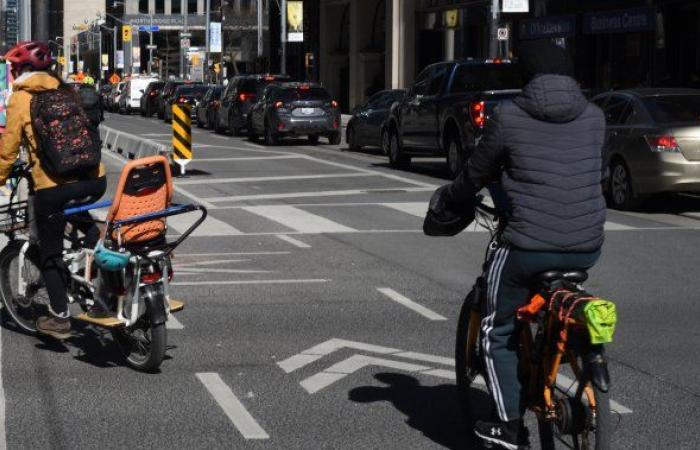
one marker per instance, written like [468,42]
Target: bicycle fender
[598,369]
[155,305]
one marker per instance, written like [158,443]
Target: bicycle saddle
[573,276]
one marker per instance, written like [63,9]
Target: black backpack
[68,144]
[91,103]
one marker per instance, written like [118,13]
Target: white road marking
[195,255]
[239,282]
[210,227]
[339,193]
[173,324]
[247,158]
[3,439]
[233,408]
[566,384]
[190,270]
[612,226]
[298,219]
[410,304]
[326,348]
[210,262]
[418,209]
[273,178]
[251,144]
[294,242]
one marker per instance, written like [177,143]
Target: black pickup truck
[445,110]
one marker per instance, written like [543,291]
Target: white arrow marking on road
[410,304]
[173,324]
[234,409]
[326,348]
[294,242]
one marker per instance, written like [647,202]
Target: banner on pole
[295,21]
[136,57]
[215,37]
[120,59]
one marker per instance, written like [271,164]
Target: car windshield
[304,94]
[258,85]
[488,77]
[674,108]
[191,91]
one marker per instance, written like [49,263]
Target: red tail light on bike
[150,278]
[477,112]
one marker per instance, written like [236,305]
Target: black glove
[445,217]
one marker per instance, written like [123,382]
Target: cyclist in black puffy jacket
[544,148]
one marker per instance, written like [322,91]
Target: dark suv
[165,96]
[149,99]
[187,94]
[240,94]
[295,109]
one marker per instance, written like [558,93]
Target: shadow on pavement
[430,169]
[433,410]
[670,204]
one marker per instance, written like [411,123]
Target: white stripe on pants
[493,280]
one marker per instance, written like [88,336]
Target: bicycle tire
[26,320]
[466,355]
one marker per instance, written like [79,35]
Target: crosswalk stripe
[298,219]
[210,227]
[417,209]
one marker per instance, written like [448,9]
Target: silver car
[652,143]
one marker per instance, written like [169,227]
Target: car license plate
[307,111]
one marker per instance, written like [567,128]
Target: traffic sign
[185,35]
[185,43]
[147,28]
[152,47]
[126,33]
[503,34]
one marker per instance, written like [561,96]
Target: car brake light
[478,114]
[334,104]
[280,126]
[269,78]
[243,96]
[153,93]
[663,144]
[336,125]
[304,87]
[182,100]
[279,105]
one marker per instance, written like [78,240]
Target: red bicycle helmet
[30,53]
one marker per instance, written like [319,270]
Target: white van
[131,94]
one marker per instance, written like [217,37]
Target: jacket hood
[35,82]
[552,98]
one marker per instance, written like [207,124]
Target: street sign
[149,28]
[152,47]
[105,59]
[185,35]
[503,34]
[185,43]
[126,33]
[120,59]
[516,6]
[215,37]
[80,27]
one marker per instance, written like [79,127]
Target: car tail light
[280,126]
[153,93]
[182,100]
[269,78]
[663,144]
[244,96]
[334,104]
[477,112]
[279,105]
[304,87]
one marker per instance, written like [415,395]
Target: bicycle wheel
[22,309]
[467,354]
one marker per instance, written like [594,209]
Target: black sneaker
[510,435]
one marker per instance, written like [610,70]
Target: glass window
[437,80]
[175,5]
[674,108]
[304,94]
[375,100]
[617,110]
[487,77]
[600,101]
[422,83]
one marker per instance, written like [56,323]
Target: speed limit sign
[503,34]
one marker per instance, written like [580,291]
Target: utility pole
[99,58]
[183,51]
[260,28]
[207,36]
[150,47]
[114,48]
[283,38]
[494,21]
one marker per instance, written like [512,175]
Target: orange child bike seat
[145,186]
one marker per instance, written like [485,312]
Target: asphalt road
[319,316]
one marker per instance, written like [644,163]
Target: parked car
[165,96]
[205,110]
[114,96]
[240,95]
[652,143]
[149,99]
[104,91]
[132,92]
[186,94]
[295,109]
[444,112]
[368,121]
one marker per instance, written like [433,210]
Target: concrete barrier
[130,146]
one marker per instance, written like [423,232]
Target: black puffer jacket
[545,147]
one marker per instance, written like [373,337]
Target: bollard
[182,136]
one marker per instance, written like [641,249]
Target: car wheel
[334,139]
[386,142]
[313,139]
[270,137]
[397,158]
[235,131]
[199,122]
[161,114]
[455,157]
[352,139]
[620,192]
[252,137]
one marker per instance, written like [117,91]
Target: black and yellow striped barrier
[182,136]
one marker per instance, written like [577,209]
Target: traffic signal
[126,33]
[217,68]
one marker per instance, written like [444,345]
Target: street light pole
[207,36]
[150,47]
[493,28]
[283,38]
[260,28]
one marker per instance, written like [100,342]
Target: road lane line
[232,407]
[210,227]
[294,242]
[3,439]
[418,209]
[298,219]
[243,282]
[193,255]
[247,158]
[617,226]
[339,193]
[410,304]
[173,324]
[273,178]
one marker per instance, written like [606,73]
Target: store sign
[215,37]
[623,21]
[516,6]
[295,21]
[120,59]
[544,27]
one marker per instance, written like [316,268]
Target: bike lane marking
[232,406]
[3,441]
[410,304]
[173,324]
[294,242]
